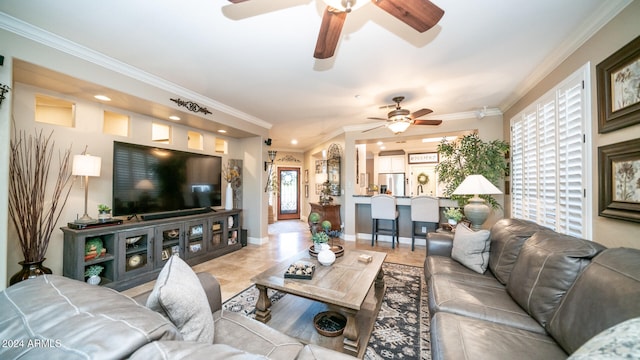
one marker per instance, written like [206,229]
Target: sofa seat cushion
[547,266]
[489,303]
[253,336]
[446,266]
[312,352]
[177,350]
[507,238]
[459,337]
[605,294]
[73,320]
[471,248]
[178,295]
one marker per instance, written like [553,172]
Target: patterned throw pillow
[179,296]
[471,248]
[621,341]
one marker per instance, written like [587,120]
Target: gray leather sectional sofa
[53,317]
[543,296]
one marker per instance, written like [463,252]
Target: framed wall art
[618,79]
[619,178]
[423,158]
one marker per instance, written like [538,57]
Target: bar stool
[383,207]
[423,209]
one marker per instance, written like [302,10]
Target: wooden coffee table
[353,288]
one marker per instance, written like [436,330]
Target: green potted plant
[36,200]
[319,238]
[104,212]
[468,156]
[453,215]
[93,274]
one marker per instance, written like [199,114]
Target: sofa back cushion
[547,266]
[53,317]
[605,294]
[507,237]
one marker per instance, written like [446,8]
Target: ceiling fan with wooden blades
[399,119]
[421,15]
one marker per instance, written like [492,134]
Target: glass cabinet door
[196,233]
[170,242]
[136,247]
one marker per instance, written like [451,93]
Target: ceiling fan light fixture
[345,5]
[399,126]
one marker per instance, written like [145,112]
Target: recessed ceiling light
[379,143]
[382,147]
[294,142]
[102,97]
[222,131]
[173,117]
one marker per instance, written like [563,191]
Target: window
[550,158]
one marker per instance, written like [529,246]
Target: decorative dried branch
[33,214]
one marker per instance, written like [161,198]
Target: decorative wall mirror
[333,168]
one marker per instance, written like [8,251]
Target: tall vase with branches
[35,211]
[471,155]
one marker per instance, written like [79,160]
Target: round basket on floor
[330,323]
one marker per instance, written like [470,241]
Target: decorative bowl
[132,240]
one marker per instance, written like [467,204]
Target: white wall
[5,132]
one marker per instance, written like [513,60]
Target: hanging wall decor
[191,106]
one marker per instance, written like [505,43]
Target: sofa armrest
[210,285]
[439,244]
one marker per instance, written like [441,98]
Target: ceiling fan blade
[329,34]
[427,122]
[421,15]
[377,118]
[419,113]
[373,128]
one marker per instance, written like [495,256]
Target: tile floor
[286,238]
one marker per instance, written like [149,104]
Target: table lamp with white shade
[477,211]
[86,165]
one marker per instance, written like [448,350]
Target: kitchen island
[363,219]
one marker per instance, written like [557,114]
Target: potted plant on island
[93,274]
[35,211]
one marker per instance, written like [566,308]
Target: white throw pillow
[471,248]
[179,296]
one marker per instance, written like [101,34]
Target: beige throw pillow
[179,296]
[471,248]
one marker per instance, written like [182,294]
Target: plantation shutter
[549,165]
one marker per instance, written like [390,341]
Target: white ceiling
[256,58]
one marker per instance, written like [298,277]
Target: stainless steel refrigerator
[394,182]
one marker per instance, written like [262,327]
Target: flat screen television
[152,180]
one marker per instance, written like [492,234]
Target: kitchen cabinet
[391,164]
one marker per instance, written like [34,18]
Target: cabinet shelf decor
[133,253]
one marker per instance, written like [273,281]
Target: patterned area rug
[401,330]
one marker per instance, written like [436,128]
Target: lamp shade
[476,185]
[86,165]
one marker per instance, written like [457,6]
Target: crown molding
[39,35]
